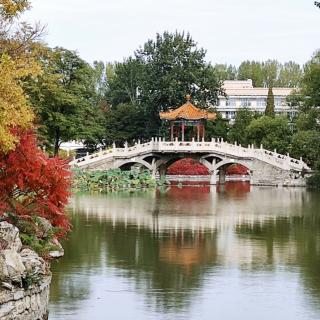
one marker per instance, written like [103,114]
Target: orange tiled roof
[189,112]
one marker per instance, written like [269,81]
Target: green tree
[65,98]
[311,82]
[225,72]
[309,120]
[273,133]
[306,144]
[238,131]
[271,70]
[173,66]
[252,70]
[270,104]
[123,122]
[290,75]
[218,128]
[123,81]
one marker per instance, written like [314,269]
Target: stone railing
[216,146]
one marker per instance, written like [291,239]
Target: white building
[242,94]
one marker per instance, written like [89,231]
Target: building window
[230,114]
[261,102]
[245,102]
[231,102]
[278,101]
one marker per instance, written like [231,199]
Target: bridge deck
[216,147]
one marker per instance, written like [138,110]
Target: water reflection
[164,253]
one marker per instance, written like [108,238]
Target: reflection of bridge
[193,209]
[264,167]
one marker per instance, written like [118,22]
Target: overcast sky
[230,30]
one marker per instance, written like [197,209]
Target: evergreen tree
[270,104]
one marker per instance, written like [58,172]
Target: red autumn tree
[31,184]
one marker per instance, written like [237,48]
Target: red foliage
[187,167]
[31,184]
[236,169]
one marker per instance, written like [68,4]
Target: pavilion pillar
[182,131]
[171,129]
[198,132]
[203,132]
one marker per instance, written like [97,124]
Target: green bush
[33,236]
[314,180]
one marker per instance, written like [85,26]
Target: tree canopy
[311,81]
[18,59]
[160,75]
[65,98]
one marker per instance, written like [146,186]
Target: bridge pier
[213,177]
[162,172]
[222,176]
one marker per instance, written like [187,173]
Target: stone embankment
[24,278]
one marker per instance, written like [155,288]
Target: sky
[230,30]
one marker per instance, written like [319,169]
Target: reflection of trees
[82,252]
[291,241]
[169,266]
[147,238]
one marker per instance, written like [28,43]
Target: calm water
[191,253]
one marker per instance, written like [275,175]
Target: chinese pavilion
[186,116]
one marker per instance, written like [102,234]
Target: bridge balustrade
[215,146]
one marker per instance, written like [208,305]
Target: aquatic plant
[112,179]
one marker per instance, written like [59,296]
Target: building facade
[242,94]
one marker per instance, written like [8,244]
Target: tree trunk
[57,142]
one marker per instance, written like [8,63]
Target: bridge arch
[163,164]
[125,163]
[227,162]
[221,167]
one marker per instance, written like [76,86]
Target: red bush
[236,169]
[31,184]
[187,167]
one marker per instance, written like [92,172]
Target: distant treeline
[116,102]
[270,73]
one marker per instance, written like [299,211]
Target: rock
[44,227]
[5,309]
[32,262]
[23,266]
[7,286]
[9,236]
[56,253]
[11,266]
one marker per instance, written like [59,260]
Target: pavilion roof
[188,112]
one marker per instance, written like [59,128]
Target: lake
[227,252]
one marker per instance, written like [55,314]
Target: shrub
[31,184]
[113,179]
[187,167]
[314,180]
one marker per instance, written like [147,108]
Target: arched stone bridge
[264,167]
